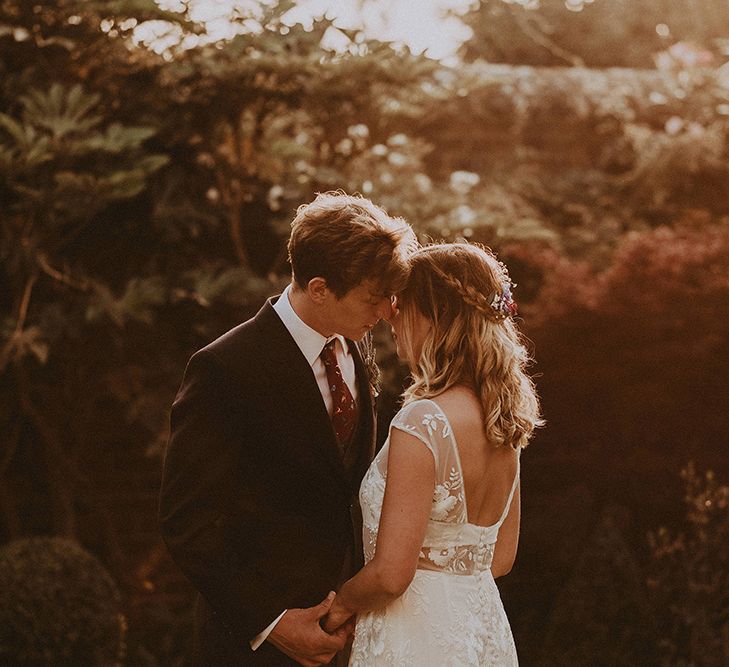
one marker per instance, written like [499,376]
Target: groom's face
[357,312]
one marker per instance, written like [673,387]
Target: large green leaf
[138,302]
[61,111]
[117,138]
[17,131]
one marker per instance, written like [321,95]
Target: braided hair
[465,294]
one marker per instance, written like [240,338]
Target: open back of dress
[452,613]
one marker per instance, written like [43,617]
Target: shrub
[59,606]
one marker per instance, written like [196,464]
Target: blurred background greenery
[149,172]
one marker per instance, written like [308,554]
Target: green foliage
[145,201]
[679,163]
[275,138]
[594,33]
[631,361]
[59,606]
[64,170]
[664,297]
[137,302]
[60,112]
[577,157]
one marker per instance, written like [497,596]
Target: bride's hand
[338,617]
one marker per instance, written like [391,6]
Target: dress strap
[513,489]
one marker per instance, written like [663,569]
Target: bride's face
[409,332]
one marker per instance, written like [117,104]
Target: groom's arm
[198,487]
[201,477]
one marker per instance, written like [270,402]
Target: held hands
[300,636]
[339,617]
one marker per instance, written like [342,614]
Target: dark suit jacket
[258,507]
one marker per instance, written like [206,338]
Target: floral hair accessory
[503,304]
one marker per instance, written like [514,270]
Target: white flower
[397,159]
[674,125]
[443,503]
[344,146]
[461,182]
[441,557]
[304,167]
[399,139]
[430,422]
[359,131]
[433,423]
[423,183]
[274,195]
[465,215]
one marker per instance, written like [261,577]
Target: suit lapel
[291,373]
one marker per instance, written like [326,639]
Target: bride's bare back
[488,473]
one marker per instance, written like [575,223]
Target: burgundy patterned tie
[344,409]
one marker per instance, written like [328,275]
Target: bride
[446,483]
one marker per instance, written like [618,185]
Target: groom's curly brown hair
[347,239]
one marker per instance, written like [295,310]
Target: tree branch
[60,276]
[7,350]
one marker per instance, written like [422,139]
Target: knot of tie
[344,409]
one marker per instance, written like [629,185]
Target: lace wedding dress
[451,615]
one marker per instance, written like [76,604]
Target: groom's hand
[299,635]
[338,618]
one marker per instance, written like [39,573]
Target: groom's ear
[318,290]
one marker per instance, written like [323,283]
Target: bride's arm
[403,522]
[505,549]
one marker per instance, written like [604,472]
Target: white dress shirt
[311,343]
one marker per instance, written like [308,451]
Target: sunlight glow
[424,26]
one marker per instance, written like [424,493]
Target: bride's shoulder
[457,400]
[456,404]
[417,408]
[425,418]
[461,407]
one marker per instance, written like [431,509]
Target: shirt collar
[310,342]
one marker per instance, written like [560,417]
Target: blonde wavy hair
[468,342]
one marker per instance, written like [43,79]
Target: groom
[271,432]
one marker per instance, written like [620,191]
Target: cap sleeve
[425,420]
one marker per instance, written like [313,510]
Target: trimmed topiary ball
[58,606]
